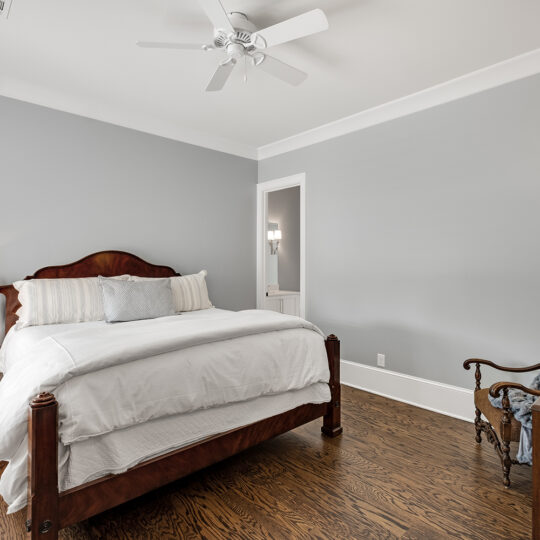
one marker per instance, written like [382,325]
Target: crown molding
[136,122]
[513,69]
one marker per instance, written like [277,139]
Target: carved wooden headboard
[103,263]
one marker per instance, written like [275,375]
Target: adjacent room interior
[269,270]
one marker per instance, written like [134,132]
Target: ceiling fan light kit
[237,37]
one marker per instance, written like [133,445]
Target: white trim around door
[262,210]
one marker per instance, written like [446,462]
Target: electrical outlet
[5,6]
[381,359]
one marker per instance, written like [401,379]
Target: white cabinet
[273,304]
[283,302]
[290,304]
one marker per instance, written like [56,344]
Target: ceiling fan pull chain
[245,69]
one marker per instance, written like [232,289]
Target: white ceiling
[81,57]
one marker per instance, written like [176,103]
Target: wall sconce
[273,239]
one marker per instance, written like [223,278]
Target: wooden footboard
[49,511]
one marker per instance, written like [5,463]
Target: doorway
[281,245]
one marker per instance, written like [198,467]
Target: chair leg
[506,463]
[478,425]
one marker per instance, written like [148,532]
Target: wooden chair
[501,428]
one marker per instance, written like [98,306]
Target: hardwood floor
[397,472]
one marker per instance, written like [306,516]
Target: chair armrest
[467,365]
[495,389]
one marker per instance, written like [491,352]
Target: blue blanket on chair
[520,404]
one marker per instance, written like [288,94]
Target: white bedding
[159,371]
[119,450]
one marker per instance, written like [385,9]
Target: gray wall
[423,235]
[71,186]
[284,209]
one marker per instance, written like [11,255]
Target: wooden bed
[49,511]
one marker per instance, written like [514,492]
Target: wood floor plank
[382,503]
[398,472]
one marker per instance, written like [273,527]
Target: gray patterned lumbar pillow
[131,301]
[190,293]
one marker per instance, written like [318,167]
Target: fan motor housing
[242,35]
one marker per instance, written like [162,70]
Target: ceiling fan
[239,38]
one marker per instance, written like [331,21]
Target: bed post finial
[332,419]
[43,468]
[44,399]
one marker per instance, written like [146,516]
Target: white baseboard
[434,396]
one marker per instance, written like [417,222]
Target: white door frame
[262,211]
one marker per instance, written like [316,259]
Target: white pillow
[190,293]
[56,301]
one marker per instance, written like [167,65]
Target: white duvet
[112,378]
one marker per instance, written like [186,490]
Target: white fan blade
[303,25]
[217,15]
[221,75]
[164,45]
[281,70]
